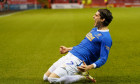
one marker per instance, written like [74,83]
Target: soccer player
[91,53]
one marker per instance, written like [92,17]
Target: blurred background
[14,5]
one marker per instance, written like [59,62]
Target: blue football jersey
[94,48]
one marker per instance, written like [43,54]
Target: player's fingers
[84,63]
[82,66]
[61,47]
[61,51]
[81,69]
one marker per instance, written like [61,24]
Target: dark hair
[107,15]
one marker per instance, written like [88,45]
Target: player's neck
[103,28]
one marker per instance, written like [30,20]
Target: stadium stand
[34,4]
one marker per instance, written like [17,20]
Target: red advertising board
[65,1]
[115,3]
[22,1]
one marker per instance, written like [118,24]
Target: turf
[30,40]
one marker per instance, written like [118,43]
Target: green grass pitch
[30,40]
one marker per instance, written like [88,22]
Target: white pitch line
[8,14]
[5,15]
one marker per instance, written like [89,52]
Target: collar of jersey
[103,30]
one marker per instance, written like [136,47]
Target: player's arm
[64,49]
[97,64]
[103,58]
[105,47]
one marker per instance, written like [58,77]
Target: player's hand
[63,49]
[83,68]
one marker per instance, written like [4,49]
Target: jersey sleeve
[104,51]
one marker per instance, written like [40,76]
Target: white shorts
[66,65]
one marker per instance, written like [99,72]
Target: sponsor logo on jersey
[90,36]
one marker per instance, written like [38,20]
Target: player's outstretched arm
[64,49]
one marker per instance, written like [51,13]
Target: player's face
[98,20]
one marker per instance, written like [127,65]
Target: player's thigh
[60,68]
[70,65]
[59,72]
[57,64]
[67,68]
[60,61]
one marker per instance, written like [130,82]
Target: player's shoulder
[103,35]
[107,39]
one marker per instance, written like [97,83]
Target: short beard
[99,24]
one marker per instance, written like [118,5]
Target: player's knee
[52,80]
[45,78]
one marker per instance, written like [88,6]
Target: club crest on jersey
[71,63]
[98,35]
[108,48]
[90,36]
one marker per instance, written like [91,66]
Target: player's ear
[102,20]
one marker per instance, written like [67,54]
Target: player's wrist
[94,65]
[90,67]
[70,48]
